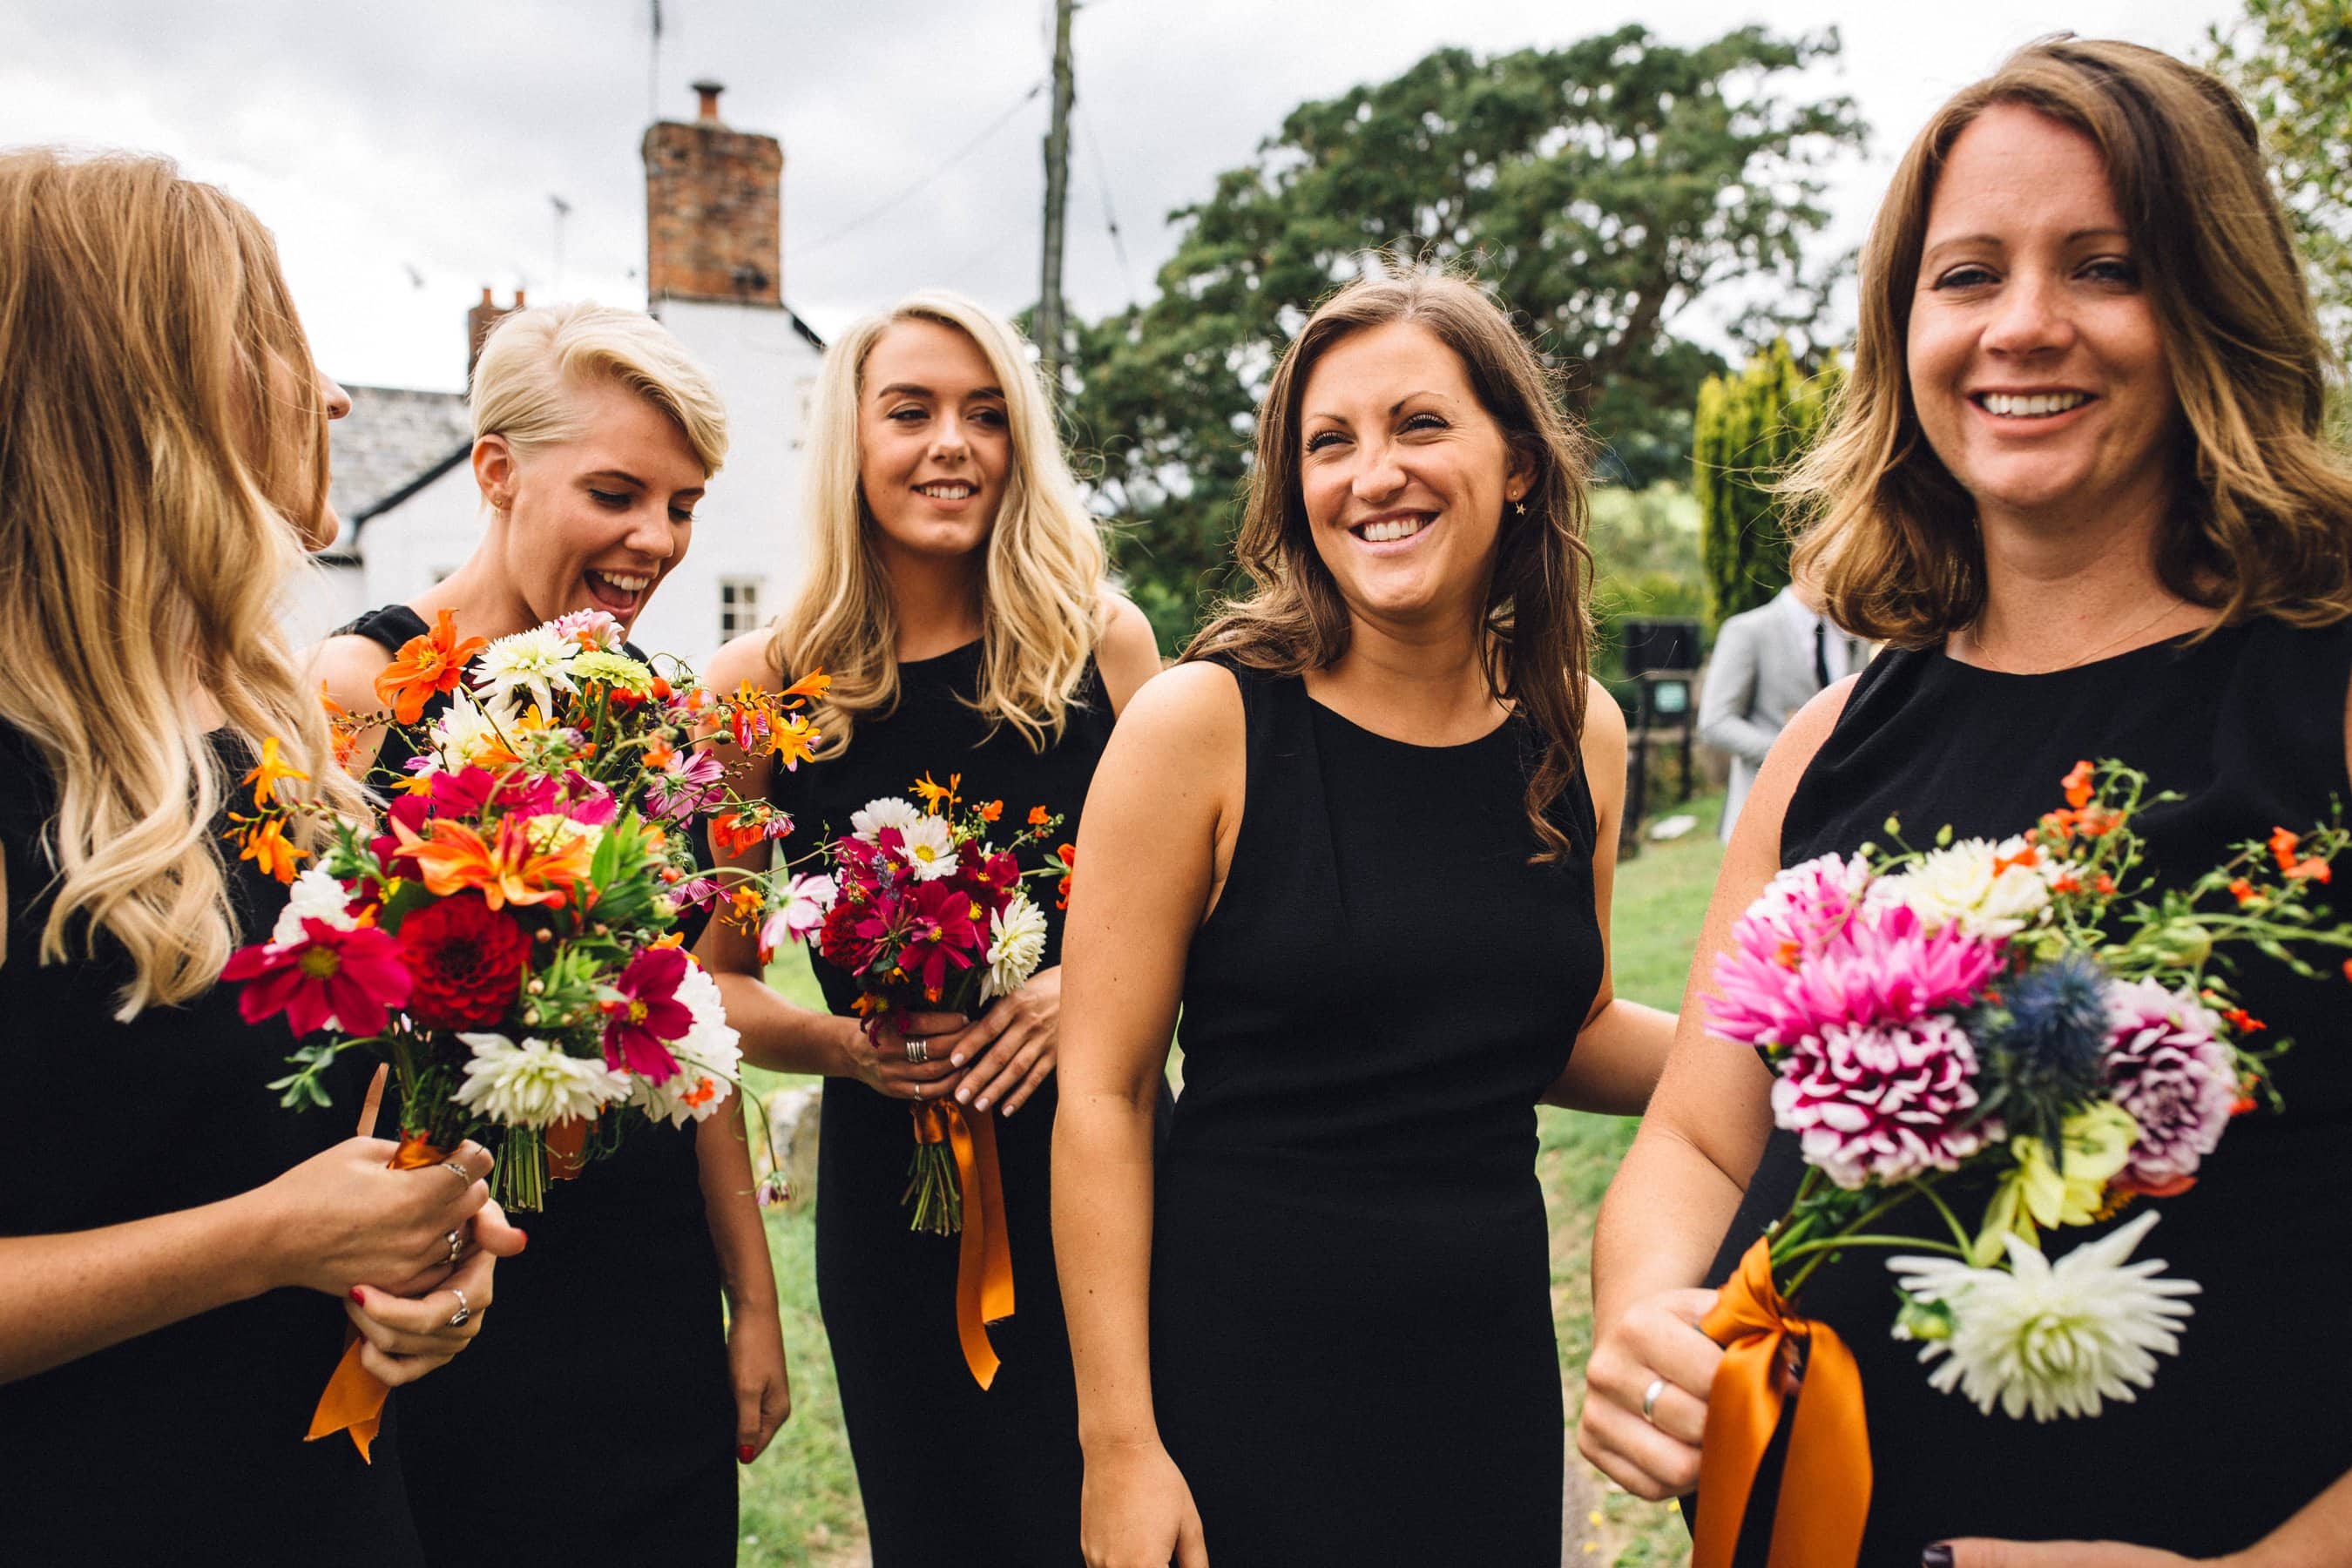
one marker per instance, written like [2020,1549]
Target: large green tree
[1601,189]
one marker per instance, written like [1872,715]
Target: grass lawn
[799,1501]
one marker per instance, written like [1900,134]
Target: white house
[714,260]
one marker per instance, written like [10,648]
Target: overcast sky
[405,154]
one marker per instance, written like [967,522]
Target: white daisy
[1987,890]
[2056,1339]
[536,661]
[707,1059]
[316,895]
[534,1084]
[889,812]
[464,732]
[930,848]
[1016,940]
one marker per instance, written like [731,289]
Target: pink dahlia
[1882,1102]
[1875,966]
[2166,1065]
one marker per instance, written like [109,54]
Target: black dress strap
[389,626]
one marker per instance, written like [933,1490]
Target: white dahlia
[315,895]
[708,1057]
[536,661]
[2055,1339]
[1016,942]
[534,1084]
[889,812]
[1987,890]
[930,848]
[464,732]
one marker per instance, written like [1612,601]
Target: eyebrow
[622,476]
[1394,407]
[2079,235]
[909,389]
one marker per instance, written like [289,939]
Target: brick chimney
[480,320]
[714,210]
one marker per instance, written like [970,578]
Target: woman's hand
[1656,1455]
[1011,1048]
[2050,1554]
[763,1383]
[1135,1511]
[405,1337]
[344,1218]
[879,1061]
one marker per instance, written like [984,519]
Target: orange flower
[2348,969]
[795,740]
[991,811]
[2243,891]
[1787,954]
[341,733]
[264,843]
[730,833]
[2078,784]
[659,754]
[2029,855]
[2105,885]
[425,666]
[2309,871]
[748,902]
[272,767]
[2243,1021]
[2097,822]
[815,683]
[513,869]
[2066,882]
[1069,855]
[1039,816]
[936,794]
[2283,846]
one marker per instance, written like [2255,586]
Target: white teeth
[627,584]
[2012,405]
[1393,527]
[953,490]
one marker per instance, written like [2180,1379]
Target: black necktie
[1821,653]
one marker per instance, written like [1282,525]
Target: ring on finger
[1650,1400]
[918,1051]
[457,1319]
[457,1244]
[464,1176]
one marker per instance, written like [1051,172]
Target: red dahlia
[468,960]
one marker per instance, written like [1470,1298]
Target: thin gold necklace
[2171,605]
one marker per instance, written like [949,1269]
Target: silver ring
[457,1319]
[1650,1399]
[918,1051]
[462,1173]
[457,1244]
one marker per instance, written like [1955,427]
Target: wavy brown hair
[1538,618]
[2261,522]
[163,471]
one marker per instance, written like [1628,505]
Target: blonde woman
[2078,483]
[179,1256]
[956,596]
[594,434]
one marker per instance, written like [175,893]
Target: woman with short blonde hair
[192,1269]
[2077,480]
[955,596]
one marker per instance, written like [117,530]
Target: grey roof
[391,442]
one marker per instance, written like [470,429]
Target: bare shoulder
[347,666]
[1129,653]
[1194,708]
[1604,722]
[744,659]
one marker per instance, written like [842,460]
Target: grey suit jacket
[1762,672]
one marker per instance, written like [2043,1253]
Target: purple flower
[1883,1102]
[687,783]
[2166,1065]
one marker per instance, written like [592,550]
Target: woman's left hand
[2049,1554]
[1011,1048]
[763,1385]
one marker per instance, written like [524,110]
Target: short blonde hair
[534,357]
[2262,506]
[1042,604]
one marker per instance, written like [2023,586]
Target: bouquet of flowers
[2023,1022]
[508,940]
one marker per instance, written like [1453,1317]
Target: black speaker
[1659,645]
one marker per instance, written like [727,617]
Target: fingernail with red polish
[357,1297]
[743,1454]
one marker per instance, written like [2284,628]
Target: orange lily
[814,684]
[272,767]
[265,845]
[425,666]
[795,740]
[936,794]
[512,870]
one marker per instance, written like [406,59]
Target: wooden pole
[1050,324]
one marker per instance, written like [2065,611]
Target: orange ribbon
[353,1401]
[566,1143]
[984,1266]
[1825,1483]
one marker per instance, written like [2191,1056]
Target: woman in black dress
[955,597]
[2079,483]
[1364,838]
[180,1257]
[594,435]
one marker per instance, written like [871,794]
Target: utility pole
[1057,191]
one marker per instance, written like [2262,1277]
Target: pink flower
[646,1014]
[688,783]
[1872,966]
[800,911]
[2167,1066]
[1882,1102]
[596,629]
[343,980]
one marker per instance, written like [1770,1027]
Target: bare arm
[346,667]
[1681,1181]
[1156,835]
[755,1333]
[1128,653]
[1622,1043]
[1731,690]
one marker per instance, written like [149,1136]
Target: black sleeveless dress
[2253,1418]
[950,1473]
[599,1388]
[186,1442]
[1352,1354]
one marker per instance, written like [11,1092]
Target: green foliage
[1601,189]
[1750,428]
[2292,59]
[1645,561]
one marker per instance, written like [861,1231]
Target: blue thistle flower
[2045,1043]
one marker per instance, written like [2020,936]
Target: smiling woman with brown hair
[2077,480]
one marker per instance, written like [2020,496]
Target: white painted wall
[422,540]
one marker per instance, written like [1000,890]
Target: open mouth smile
[2028,405]
[619,592]
[1392,529]
[947,490]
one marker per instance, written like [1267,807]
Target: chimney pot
[485,294]
[518,304]
[710,91]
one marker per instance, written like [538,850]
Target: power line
[1111,217]
[958,156]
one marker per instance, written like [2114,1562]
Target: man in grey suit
[1768,662]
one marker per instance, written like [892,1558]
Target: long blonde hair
[2262,518]
[532,360]
[162,468]
[1042,608]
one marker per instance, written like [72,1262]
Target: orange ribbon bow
[984,1265]
[1825,1483]
[353,1401]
